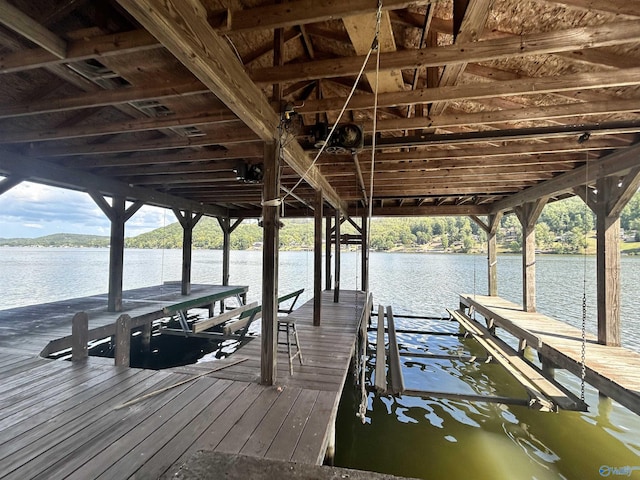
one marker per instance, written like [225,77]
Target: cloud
[32,210]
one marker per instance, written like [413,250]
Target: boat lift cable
[344,108]
[375,44]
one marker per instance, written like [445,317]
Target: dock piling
[123,340]
[79,336]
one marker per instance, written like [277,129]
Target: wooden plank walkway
[61,420]
[29,329]
[614,371]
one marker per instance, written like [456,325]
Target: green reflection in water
[437,438]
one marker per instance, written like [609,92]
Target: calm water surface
[420,437]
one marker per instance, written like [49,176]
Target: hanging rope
[346,103]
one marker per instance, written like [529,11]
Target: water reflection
[459,439]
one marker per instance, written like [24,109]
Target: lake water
[425,438]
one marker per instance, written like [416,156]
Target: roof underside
[481,105]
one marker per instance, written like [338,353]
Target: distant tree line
[563,227]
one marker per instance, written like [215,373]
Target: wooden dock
[612,370]
[28,330]
[61,419]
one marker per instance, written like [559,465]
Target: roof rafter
[79,50]
[36,170]
[617,163]
[13,18]
[522,86]
[534,44]
[300,12]
[182,27]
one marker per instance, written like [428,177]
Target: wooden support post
[336,268]
[491,229]
[227,229]
[187,245]
[365,252]
[528,214]
[548,367]
[613,193]
[188,221]
[492,254]
[123,340]
[145,346]
[271,219]
[79,336]
[608,275]
[118,214]
[327,245]
[116,255]
[522,346]
[317,259]
[226,250]
[330,454]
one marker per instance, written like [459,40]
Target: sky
[30,210]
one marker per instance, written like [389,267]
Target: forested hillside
[560,229]
[564,227]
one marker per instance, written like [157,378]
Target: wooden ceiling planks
[518,83]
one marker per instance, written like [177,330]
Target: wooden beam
[317,258]
[9,182]
[627,105]
[236,151]
[336,268]
[429,210]
[380,382]
[364,251]
[395,366]
[126,126]
[300,12]
[617,7]
[362,30]
[227,136]
[178,168]
[618,163]
[102,98]
[525,86]
[80,50]
[40,171]
[26,26]
[182,28]
[615,33]
[472,23]
[270,253]
[327,264]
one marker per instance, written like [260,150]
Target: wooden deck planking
[131,446]
[94,433]
[43,429]
[175,447]
[612,370]
[69,427]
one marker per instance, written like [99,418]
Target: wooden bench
[232,327]
[228,326]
